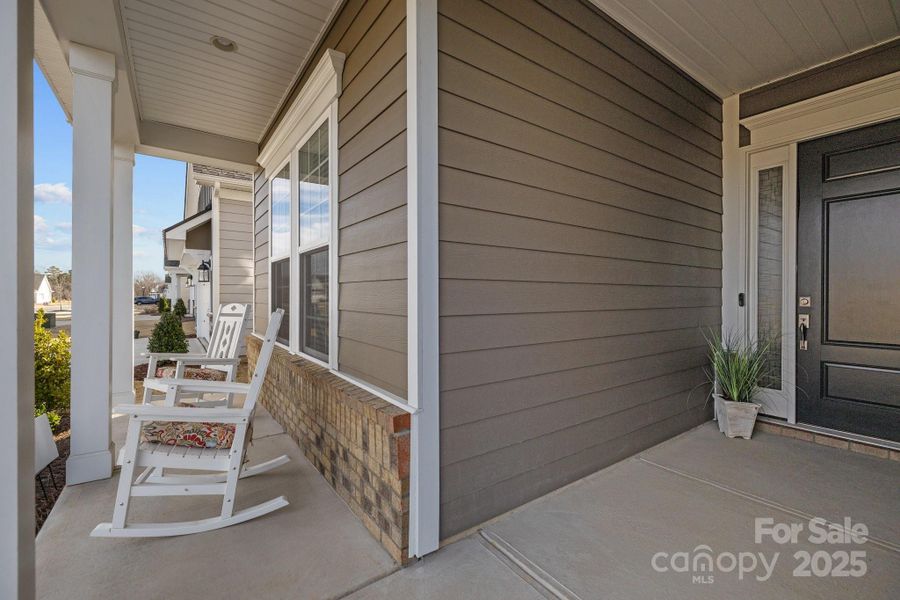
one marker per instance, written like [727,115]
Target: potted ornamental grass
[738,365]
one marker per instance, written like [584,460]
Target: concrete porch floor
[596,538]
[593,539]
[313,548]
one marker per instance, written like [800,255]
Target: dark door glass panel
[769,253]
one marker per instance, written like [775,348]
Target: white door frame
[774,136]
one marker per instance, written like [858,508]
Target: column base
[81,468]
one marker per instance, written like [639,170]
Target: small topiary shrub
[180,309]
[168,336]
[163,304]
[52,371]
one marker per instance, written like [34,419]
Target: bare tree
[147,282]
[61,282]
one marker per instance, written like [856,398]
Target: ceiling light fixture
[223,43]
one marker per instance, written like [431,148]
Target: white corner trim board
[322,87]
[423,390]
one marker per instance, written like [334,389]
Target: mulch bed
[43,504]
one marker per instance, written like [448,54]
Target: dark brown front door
[848,266]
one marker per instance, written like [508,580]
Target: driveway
[633,530]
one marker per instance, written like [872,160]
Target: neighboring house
[499,228]
[43,293]
[214,236]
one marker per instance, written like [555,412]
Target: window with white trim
[280,248]
[314,226]
[301,245]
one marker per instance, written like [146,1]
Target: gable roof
[39,279]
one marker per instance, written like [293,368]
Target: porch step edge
[831,437]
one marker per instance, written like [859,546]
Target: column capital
[124,152]
[90,62]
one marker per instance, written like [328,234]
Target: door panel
[848,264]
[860,301]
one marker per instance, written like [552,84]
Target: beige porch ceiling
[182,79]
[731,46]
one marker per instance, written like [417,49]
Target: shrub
[163,304]
[180,309]
[738,364]
[52,371]
[168,335]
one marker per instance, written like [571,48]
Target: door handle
[803,327]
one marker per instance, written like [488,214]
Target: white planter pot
[736,419]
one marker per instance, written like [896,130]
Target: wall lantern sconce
[203,272]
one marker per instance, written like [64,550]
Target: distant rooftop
[217,172]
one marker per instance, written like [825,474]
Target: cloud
[51,237]
[52,193]
[149,233]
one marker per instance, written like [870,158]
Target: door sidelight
[803,327]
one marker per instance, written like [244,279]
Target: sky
[158,191]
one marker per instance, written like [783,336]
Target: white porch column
[17,350]
[93,74]
[122,277]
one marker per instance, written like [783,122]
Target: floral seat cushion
[192,373]
[192,435]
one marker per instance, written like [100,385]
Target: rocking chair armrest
[197,385]
[203,360]
[172,355]
[150,412]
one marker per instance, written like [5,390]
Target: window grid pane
[281,213]
[314,301]
[314,189]
[281,296]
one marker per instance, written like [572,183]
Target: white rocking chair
[221,355]
[225,462]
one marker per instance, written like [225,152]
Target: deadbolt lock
[805,302]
